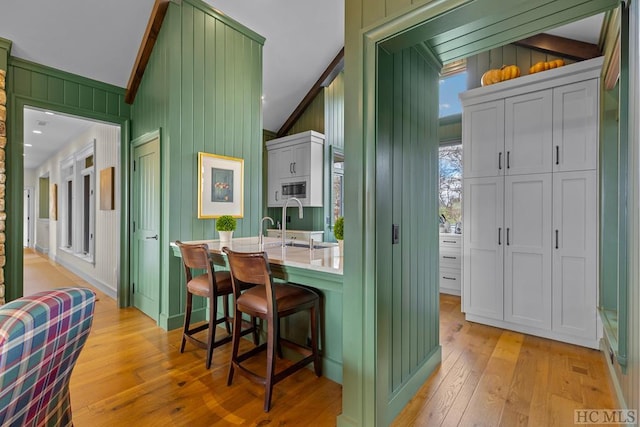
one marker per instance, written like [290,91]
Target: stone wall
[3,179]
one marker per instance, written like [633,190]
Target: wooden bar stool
[270,302]
[209,285]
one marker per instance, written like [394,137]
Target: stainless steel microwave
[294,189]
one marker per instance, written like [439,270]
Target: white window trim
[72,169]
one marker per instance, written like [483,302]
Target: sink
[305,245]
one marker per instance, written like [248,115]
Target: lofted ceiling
[100,39]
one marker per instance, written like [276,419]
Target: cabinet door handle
[276,195]
[448,278]
[557,154]
[449,241]
[508,159]
[507,236]
[500,160]
[499,236]
[294,168]
[557,239]
[449,257]
[290,167]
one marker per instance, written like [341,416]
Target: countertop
[326,259]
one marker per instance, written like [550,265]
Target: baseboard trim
[101,286]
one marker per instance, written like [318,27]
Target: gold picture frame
[220,186]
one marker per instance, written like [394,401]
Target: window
[450,161]
[77,213]
[450,87]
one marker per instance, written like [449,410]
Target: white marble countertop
[326,259]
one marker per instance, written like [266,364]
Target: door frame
[29,222]
[394,33]
[135,143]
[14,272]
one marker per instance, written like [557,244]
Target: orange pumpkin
[510,72]
[496,75]
[542,66]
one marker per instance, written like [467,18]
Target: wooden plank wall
[202,88]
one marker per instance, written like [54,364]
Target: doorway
[63,157]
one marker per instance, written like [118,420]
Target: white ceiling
[100,39]
[57,129]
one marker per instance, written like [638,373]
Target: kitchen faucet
[260,236]
[284,217]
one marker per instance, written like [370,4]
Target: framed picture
[106,189]
[220,186]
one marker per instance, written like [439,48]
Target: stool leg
[211,336]
[272,336]
[237,329]
[314,313]
[187,320]
[227,323]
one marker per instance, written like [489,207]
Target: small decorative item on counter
[507,72]
[225,226]
[338,232]
[543,66]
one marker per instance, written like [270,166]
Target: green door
[145,227]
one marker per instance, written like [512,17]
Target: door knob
[153,237]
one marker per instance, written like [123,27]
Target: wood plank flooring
[132,373]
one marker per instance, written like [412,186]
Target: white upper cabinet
[483,127]
[527,127]
[575,126]
[295,169]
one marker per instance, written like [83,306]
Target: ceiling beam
[325,80]
[560,46]
[146,47]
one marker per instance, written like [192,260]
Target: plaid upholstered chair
[41,336]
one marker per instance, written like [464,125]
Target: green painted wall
[312,118]
[202,88]
[609,141]
[30,84]
[407,273]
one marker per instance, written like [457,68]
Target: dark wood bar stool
[211,285]
[269,301]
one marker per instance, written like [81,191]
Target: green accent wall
[608,173]
[203,88]
[312,118]
[407,286]
[30,84]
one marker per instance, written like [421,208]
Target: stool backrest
[249,268]
[195,256]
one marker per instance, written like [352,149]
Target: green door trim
[15,175]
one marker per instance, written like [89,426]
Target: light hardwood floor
[132,373]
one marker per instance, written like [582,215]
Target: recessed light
[49,113]
[28,145]
[37,132]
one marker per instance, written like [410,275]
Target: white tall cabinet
[530,203]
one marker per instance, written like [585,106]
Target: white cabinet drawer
[450,258]
[451,240]
[450,281]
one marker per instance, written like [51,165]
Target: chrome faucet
[284,217]
[261,236]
